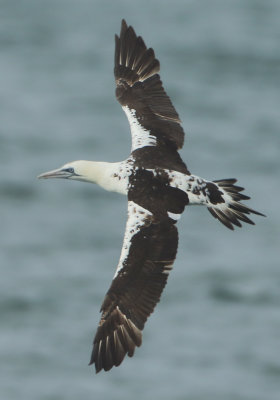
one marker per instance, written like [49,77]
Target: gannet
[158,186]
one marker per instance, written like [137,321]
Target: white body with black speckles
[195,187]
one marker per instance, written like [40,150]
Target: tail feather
[230,211]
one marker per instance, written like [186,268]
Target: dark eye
[70,170]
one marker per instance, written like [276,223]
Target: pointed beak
[55,173]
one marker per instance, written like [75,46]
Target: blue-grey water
[216,333]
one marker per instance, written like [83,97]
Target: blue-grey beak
[55,173]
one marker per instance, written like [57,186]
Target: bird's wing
[153,119]
[148,252]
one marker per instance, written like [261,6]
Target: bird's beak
[55,173]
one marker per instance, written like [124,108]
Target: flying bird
[158,186]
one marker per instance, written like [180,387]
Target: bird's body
[158,186]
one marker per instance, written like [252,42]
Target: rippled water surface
[215,333]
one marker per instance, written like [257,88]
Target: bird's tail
[230,211]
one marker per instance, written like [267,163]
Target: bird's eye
[70,170]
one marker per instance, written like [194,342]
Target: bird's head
[75,170]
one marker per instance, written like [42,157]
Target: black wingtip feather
[115,338]
[235,211]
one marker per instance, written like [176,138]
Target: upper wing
[153,119]
[148,252]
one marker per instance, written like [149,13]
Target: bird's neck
[109,176]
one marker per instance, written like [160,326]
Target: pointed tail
[226,206]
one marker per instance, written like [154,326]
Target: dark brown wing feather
[138,86]
[134,293]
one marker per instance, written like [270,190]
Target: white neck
[110,176]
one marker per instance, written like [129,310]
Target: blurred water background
[215,333]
